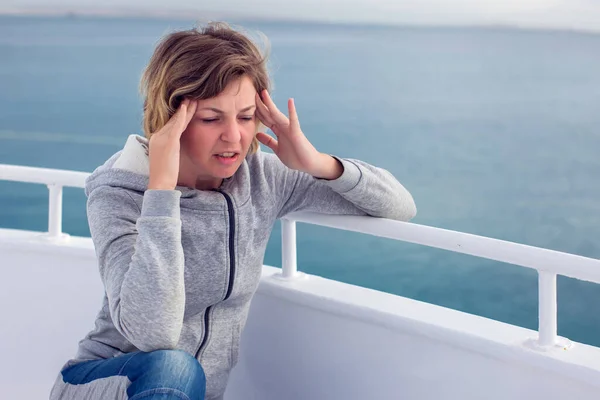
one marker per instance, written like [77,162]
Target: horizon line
[184,15]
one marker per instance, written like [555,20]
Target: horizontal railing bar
[566,264]
[44,176]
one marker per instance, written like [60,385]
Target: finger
[191,111]
[263,112]
[177,119]
[268,123]
[293,114]
[277,116]
[185,113]
[260,105]
[266,98]
[267,141]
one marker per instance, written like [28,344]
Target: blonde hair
[198,63]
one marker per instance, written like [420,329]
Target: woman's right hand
[164,148]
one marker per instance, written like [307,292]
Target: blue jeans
[157,375]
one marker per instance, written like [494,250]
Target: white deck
[306,339]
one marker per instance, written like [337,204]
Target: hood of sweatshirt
[128,168]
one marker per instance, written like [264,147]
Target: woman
[180,219]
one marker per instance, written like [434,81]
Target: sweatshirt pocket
[235,344]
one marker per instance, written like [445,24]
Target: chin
[223,173]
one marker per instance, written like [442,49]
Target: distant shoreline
[110,12]
[188,15]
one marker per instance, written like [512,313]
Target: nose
[231,131]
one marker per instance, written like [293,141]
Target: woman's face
[218,137]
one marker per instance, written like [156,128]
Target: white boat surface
[307,337]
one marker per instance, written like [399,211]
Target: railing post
[55,211]
[547,329]
[289,266]
[288,249]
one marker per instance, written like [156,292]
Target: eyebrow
[221,111]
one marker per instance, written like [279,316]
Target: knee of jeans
[168,370]
[177,362]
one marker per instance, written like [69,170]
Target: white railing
[548,263]
[55,179]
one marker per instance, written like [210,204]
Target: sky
[562,14]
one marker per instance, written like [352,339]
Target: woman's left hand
[291,146]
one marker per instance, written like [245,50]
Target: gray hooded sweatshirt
[180,266]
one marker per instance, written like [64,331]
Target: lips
[228,154]
[227,158]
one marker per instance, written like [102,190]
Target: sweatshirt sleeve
[362,189]
[141,263]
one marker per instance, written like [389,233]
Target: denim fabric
[160,374]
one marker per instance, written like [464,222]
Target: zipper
[231,213]
[231,243]
[206,330]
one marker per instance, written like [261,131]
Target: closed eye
[211,120]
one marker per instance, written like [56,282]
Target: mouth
[227,158]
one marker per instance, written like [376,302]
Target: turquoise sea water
[495,132]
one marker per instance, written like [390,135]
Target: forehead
[239,92]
